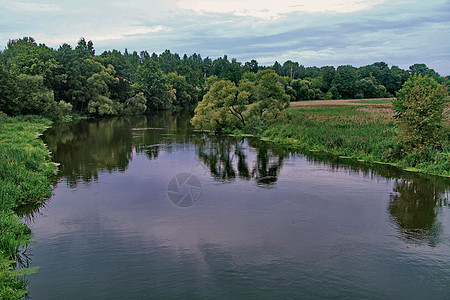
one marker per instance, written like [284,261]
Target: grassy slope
[26,172]
[366,133]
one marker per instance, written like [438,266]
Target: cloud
[30,7]
[270,9]
[128,33]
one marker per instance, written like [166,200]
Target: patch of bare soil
[342,102]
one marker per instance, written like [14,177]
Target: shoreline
[361,131]
[303,151]
[27,173]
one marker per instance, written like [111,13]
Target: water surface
[269,223]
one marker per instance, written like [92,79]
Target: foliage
[345,81]
[269,94]
[184,92]
[33,77]
[25,167]
[221,108]
[355,132]
[225,106]
[135,105]
[151,82]
[11,288]
[422,69]
[33,96]
[419,109]
[369,88]
[9,103]
[25,176]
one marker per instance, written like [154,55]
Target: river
[147,208]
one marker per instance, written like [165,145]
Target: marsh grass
[25,177]
[360,132]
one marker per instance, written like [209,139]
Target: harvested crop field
[378,102]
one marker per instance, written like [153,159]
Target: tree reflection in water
[414,207]
[86,148]
[227,157]
[415,202]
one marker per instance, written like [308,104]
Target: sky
[311,32]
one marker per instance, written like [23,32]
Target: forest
[36,79]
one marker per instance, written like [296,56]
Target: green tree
[150,81]
[370,88]
[35,98]
[125,66]
[293,70]
[423,70]
[327,76]
[269,93]
[277,68]
[222,107]
[396,79]
[135,105]
[168,62]
[9,103]
[98,91]
[419,109]
[25,56]
[185,95]
[251,66]
[248,84]
[334,93]
[345,80]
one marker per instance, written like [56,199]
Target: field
[360,129]
[379,102]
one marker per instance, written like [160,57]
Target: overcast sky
[312,32]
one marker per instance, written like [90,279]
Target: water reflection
[86,148]
[415,201]
[415,206]
[228,157]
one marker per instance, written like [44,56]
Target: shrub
[419,111]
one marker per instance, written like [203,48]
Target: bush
[57,111]
[419,111]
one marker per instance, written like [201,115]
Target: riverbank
[363,131]
[26,173]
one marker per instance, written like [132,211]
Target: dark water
[261,222]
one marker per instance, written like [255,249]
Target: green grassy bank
[26,173]
[364,133]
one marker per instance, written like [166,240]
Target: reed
[360,132]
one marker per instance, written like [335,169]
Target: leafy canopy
[226,107]
[419,111]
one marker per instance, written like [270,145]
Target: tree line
[36,79]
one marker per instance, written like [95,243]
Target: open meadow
[361,129]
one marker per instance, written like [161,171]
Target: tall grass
[25,176]
[359,132]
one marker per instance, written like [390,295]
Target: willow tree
[223,107]
[228,107]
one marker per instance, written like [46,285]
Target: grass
[26,173]
[360,132]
